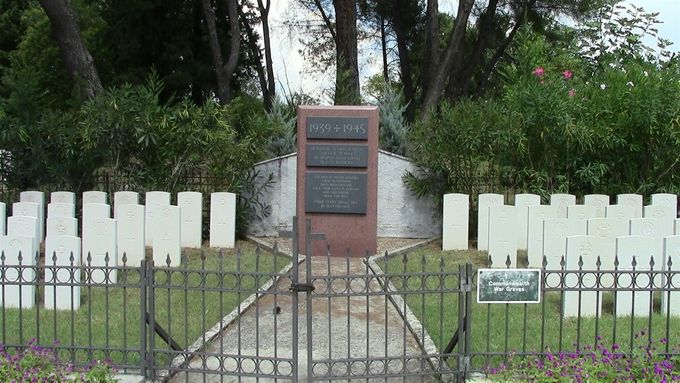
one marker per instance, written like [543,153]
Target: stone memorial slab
[222,219]
[95,196]
[522,202]
[668,200]
[92,211]
[24,226]
[3,218]
[130,231]
[502,235]
[555,233]
[607,230]
[629,303]
[561,199]
[632,200]
[191,209]
[62,267]
[485,201]
[671,250]
[154,201]
[39,198]
[582,212]
[166,239]
[620,212]
[19,283]
[656,229]
[337,183]
[124,198]
[62,226]
[26,209]
[598,201]
[60,209]
[63,197]
[585,248]
[660,211]
[677,226]
[99,249]
[535,218]
[455,221]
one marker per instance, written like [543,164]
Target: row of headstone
[105,240]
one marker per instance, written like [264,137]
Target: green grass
[188,301]
[506,328]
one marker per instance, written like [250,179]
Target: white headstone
[99,249]
[166,239]
[654,228]
[63,197]
[191,209]
[668,200]
[59,209]
[124,198]
[58,295]
[563,200]
[607,230]
[456,221]
[581,248]
[660,211]
[94,197]
[26,209]
[641,249]
[502,235]
[620,212]
[582,212]
[671,249]
[154,201]
[62,226]
[536,216]
[677,226]
[131,234]
[223,220]
[598,201]
[3,218]
[92,211]
[24,226]
[19,282]
[555,233]
[632,200]
[39,198]
[485,201]
[522,202]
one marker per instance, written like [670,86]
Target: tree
[77,59]
[223,71]
[347,63]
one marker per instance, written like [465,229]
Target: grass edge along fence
[110,324]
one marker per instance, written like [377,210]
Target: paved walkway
[342,328]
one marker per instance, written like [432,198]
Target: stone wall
[400,213]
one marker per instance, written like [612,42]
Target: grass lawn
[188,300]
[505,328]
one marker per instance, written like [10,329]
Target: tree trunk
[401,33]
[74,53]
[220,70]
[271,81]
[432,51]
[235,38]
[255,52]
[383,44]
[452,56]
[347,67]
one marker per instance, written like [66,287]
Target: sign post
[508,286]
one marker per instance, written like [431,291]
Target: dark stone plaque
[337,128]
[343,193]
[339,156]
[508,286]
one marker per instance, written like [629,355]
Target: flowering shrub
[37,364]
[592,364]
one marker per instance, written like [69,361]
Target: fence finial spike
[508,262]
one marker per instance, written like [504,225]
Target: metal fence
[259,315]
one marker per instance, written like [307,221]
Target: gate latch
[302,287]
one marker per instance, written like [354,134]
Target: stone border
[213,333]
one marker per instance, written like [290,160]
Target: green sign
[508,285]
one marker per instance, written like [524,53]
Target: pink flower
[538,72]
[567,74]
[571,93]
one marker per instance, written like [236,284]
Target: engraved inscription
[337,128]
[343,193]
[350,156]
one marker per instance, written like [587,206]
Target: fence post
[142,319]
[468,318]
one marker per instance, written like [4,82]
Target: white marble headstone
[26,209]
[99,243]
[154,201]
[456,221]
[671,249]
[660,211]
[485,201]
[223,219]
[502,235]
[166,238]
[522,202]
[668,200]
[607,230]
[62,226]
[92,211]
[582,248]
[620,212]
[67,251]
[39,198]
[121,198]
[536,216]
[677,226]
[598,201]
[24,226]
[191,209]
[653,228]
[131,234]
[581,212]
[632,200]
[555,233]
[19,283]
[59,209]
[3,218]
[94,197]
[562,200]
[641,249]
[63,197]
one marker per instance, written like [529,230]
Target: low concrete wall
[400,213]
